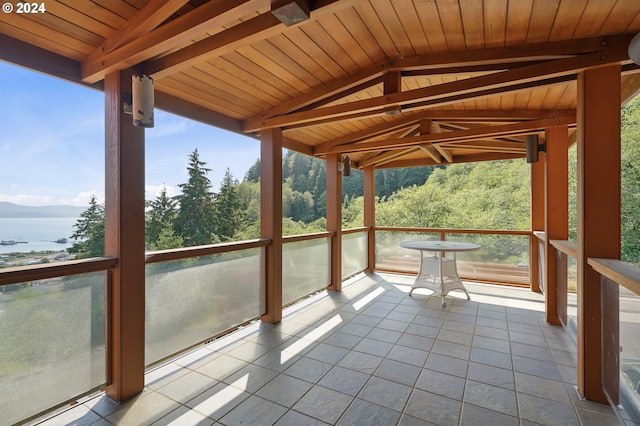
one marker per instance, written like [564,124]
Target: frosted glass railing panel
[621,317]
[572,300]
[354,253]
[305,268]
[190,300]
[391,257]
[52,343]
[501,257]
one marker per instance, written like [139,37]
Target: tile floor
[371,355]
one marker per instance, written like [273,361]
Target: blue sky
[52,143]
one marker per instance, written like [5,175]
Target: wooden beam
[124,239]
[599,228]
[556,210]
[613,51]
[334,220]
[432,152]
[29,56]
[455,136]
[385,157]
[537,224]
[414,162]
[143,22]
[168,37]
[271,221]
[369,195]
[255,29]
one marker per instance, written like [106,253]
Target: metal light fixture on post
[533,148]
[143,100]
[346,166]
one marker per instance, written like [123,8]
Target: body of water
[36,234]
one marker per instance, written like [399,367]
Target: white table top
[439,245]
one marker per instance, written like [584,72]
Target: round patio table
[438,270]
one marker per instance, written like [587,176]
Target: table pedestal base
[440,275]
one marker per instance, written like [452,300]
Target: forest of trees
[487,195]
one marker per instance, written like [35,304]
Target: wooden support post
[124,239]
[598,139]
[537,223]
[556,210]
[334,219]
[369,190]
[271,220]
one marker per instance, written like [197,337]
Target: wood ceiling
[390,83]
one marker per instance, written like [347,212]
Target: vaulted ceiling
[388,82]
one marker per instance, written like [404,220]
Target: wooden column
[124,239]
[271,220]
[537,222]
[556,211]
[369,190]
[334,220]
[598,139]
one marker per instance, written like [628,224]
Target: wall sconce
[533,148]
[634,49]
[143,100]
[345,166]
[291,12]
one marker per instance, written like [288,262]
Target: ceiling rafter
[168,37]
[490,59]
[613,51]
[146,20]
[521,128]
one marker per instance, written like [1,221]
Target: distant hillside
[10,210]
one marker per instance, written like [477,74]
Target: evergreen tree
[160,216]
[228,209]
[89,232]
[253,174]
[195,218]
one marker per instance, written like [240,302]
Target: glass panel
[53,342]
[305,268]
[191,300]
[391,257]
[572,299]
[626,321]
[354,253]
[502,258]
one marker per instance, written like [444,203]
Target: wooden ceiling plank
[474,32]
[518,17]
[168,37]
[451,21]
[372,21]
[146,20]
[495,22]
[621,17]
[543,15]
[413,26]
[386,11]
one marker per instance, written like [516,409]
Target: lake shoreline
[16,259]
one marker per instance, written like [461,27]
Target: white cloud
[80,199]
[152,191]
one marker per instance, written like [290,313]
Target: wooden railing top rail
[306,237]
[567,247]
[355,230]
[618,271]
[452,230]
[45,271]
[187,252]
